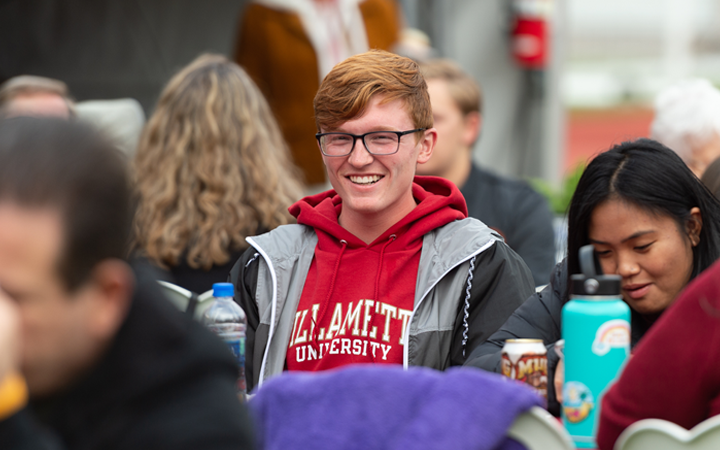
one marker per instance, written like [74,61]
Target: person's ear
[113,287]
[427,144]
[693,226]
[471,130]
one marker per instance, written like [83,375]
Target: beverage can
[525,360]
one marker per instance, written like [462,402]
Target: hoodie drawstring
[376,297]
[330,291]
[379,270]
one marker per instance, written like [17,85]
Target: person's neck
[459,172]
[368,227]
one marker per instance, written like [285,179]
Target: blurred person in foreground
[510,207]
[386,268]
[687,120]
[674,372]
[109,363]
[650,220]
[211,169]
[288,46]
[30,95]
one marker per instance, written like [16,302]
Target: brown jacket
[276,53]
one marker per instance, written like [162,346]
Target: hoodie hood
[438,202]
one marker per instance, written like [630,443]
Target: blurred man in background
[108,362]
[29,95]
[508,206]
[121,120]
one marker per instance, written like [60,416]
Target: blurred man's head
[29,95]
[384,94]
[64,224]
[687,120]
[456,106]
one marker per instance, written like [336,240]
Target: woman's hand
[9,336]
[559,379]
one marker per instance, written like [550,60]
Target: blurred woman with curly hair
[211,168]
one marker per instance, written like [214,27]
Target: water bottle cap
[592,282]
[223,290]
[600,285]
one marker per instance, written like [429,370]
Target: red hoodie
[358,297]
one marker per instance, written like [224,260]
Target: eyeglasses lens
[379,143]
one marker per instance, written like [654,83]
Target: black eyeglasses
[376,142]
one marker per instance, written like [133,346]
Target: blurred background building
[607,60]
[621,53]
[108,49]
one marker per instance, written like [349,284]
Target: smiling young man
[385,268]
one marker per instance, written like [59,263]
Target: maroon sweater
[674,373]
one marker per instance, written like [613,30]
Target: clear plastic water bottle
[227,320]
[596,330]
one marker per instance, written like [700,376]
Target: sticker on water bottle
[237,346]
[578,401]
[612,334]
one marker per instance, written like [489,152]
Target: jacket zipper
[407,331]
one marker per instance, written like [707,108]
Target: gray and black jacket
[468,284]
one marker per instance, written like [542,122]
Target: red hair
[347,90]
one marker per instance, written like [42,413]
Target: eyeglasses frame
[355,137]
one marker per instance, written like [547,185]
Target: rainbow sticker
[612,334]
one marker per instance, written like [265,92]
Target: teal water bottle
[596,330]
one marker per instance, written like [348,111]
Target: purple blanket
[385,407]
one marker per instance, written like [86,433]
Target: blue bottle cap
[223,290]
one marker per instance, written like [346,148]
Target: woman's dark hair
[647,174]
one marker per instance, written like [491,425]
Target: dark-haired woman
[651,221]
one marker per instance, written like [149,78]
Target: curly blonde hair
[211,168]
